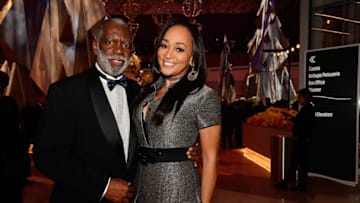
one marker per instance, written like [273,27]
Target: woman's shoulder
[206,91]
[205,94]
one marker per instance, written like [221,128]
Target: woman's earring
[193,74]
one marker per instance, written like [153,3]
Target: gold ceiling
[148,7]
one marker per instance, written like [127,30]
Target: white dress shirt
[119,106]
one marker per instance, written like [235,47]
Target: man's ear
[94,46]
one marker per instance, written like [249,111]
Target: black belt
[152,155]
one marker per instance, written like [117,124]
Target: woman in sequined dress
[171,114]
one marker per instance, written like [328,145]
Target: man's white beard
[103,60]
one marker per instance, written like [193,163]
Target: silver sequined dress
[170,182]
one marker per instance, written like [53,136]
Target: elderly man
[85,142]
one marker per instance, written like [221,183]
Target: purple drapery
[227,89]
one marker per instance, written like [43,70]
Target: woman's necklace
[174,79]
[171,81]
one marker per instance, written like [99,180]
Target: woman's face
[175,52]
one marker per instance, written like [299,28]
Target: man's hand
[119,191]
[194,153]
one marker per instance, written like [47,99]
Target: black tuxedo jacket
[79,145]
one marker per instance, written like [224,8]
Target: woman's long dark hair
[177,94]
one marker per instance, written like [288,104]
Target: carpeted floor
[239,181]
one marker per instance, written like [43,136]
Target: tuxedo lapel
[132,148]
[131,92]
[104,113]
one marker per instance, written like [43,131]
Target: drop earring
[193,74]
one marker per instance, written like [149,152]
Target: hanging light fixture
[131,10]
[162,14]
[191,9]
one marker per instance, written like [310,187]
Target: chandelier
[162,14]
[131,10]
[191,9]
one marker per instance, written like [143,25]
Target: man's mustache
[115,57]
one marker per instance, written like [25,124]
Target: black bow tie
[111,83]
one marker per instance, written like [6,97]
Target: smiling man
[85,143]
